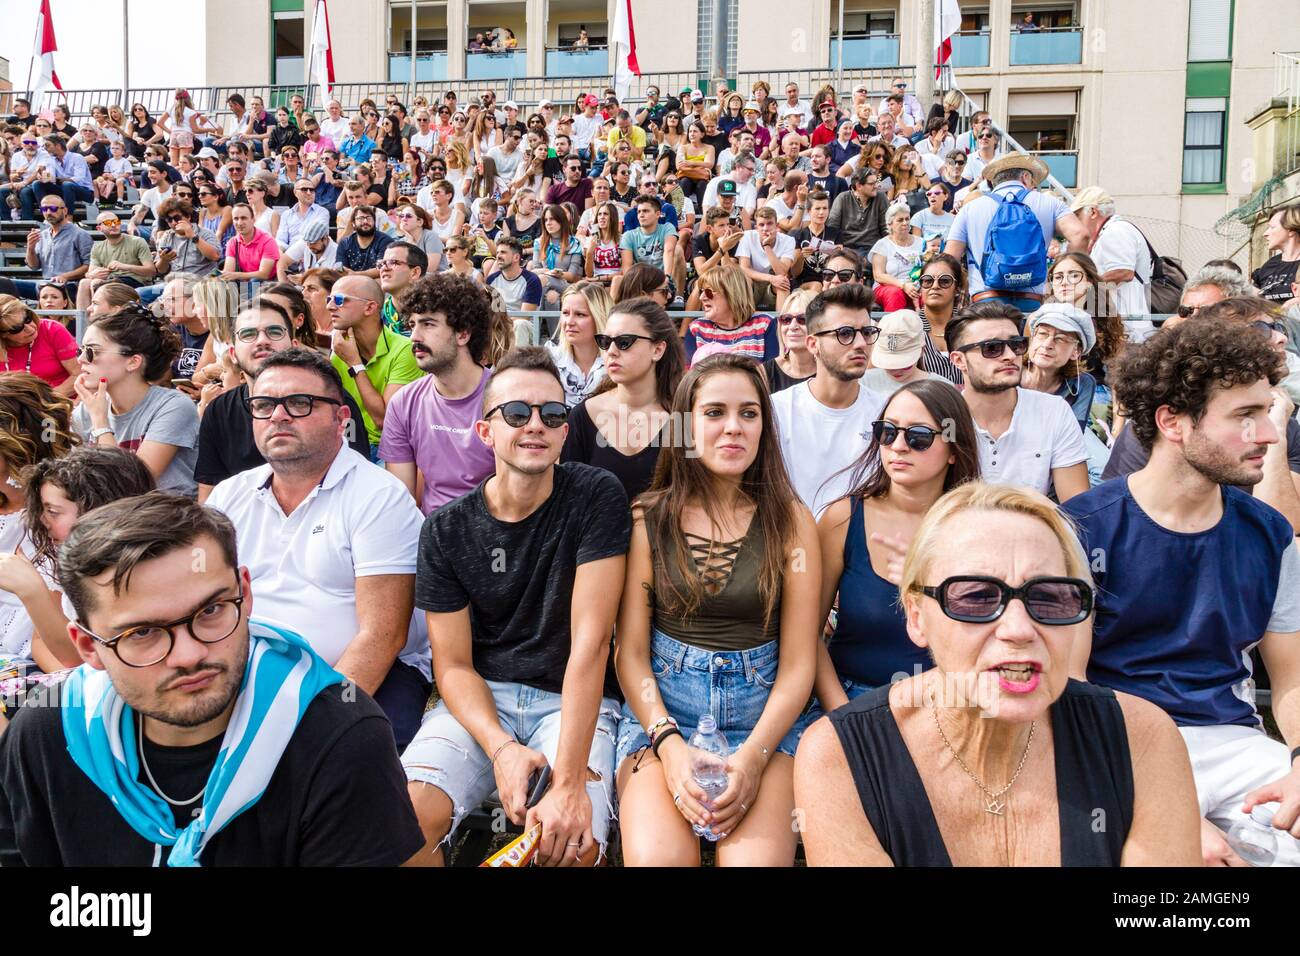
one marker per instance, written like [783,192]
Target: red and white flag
[321,62]
[43,56]
[624,40]
[947,21]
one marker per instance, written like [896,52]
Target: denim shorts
[733,686]
[814,712]
[445,755]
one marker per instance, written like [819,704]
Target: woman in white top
[892,260]
[460,260]
[446,217]
[266,218]
[584,306]
[531,175]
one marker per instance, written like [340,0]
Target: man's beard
[840,369]
[1211,461]
[988,386]
[365,230]
[205,706]
[435,363]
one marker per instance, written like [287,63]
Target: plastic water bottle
[1255,839]
[709,766]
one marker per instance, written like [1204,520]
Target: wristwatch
[356,370]
[96,432]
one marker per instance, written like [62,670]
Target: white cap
[544,103]
[510,105]
[901,340]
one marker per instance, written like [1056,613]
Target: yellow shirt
[635,136]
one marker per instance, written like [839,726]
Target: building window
[868,24]
[287,48]
[1203,140]
[1209,31]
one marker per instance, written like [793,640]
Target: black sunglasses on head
[979,599]
[993,348]
[517,414]
[918,437]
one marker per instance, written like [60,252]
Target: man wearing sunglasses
[1026,438]
[520,582]
[59,249]
[296,218]
[910,105]
[179,671]
[119,258]
[825,421]
[226,447]
[1193,574]
[25,165]
[330,541]
[70,178]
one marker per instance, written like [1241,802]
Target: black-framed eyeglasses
[789,317]
[844,275]
[1278,327]
[993,348]
[28,319]
[276,333]
[624,342]
[847,334]
[148,644]
[980,599]
[943,282]
[88,352]
[517,414]
[298,406]
[918,437]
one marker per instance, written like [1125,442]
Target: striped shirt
[934,361]
[755,339]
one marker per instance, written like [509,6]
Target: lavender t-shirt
[437,434]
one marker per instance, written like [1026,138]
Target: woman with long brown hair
[41,347]
[718,624]
[1073,279]
[908,174]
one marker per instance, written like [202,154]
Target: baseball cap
[861,88]
[1067,318]
[750,107]
[510,105]
[697,96]
[544,103]
[686,91]
[590,100]
[902,337]
[727,187]
[207,152]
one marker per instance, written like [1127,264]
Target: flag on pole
[321,69]
[624,40]
[947,21]
[43,55]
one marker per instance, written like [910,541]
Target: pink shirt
[309,148]
[53,346]
[248,257]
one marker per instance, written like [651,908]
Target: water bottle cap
[707,724]
[1263,814]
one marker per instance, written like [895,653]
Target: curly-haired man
[429,424]
[1193,573]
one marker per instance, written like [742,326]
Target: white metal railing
[1286,87]
[970,107]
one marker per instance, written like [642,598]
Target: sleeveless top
[730,619]
[1094,771]
[870,644]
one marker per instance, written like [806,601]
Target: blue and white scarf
[282,678]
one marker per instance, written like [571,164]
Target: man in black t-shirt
[183,693]
[520,580]
[1274,277]
[816,242]
[822,176]
[226,429]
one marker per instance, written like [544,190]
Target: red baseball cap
[590,100]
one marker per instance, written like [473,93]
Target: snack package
[517,853]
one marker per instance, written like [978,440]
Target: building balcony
[863,52]
[1063,164]
[428,67]
[1043,47]
[970,49]
[505,65]
[593,61]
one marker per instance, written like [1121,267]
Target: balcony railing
[1042,47]
[970,49]
[428,67]
[1063,164]
[505,65]
[565,61]
[859,52]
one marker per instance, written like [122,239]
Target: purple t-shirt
[438,435]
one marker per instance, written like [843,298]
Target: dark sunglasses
[943,282]
[88,352]
[27,320]
[624,342]
[847,334]
[957,162]
[298,406]
[51,208]
[517,414]
[790,317]
[1278,327]
[978,599]
[918,437]
[176,217]
[844,275]
[992,348]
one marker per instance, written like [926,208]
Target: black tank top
[1094,771]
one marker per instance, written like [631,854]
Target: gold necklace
[993,805]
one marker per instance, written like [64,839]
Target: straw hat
[1017,161]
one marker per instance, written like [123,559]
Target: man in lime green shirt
[373,361]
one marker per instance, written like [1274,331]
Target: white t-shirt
[746,194]
[300,253]
[899,260]
[819,443]
[360,521]
[585,129]
[1044,434]
[507,165]
[1120,245]
[802,108]
[751,245]
[424,141]
[335,129]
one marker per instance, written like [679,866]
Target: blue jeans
[733,686]
[1026,306]
[403,696]
[814,712]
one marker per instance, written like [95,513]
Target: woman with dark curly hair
[120,357]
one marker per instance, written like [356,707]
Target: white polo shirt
[1044,434]
[359,521]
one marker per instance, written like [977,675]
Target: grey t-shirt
[163,415]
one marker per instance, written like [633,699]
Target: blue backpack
[1015,256]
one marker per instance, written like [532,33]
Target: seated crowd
[317,524]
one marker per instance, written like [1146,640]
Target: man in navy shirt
[1193,573]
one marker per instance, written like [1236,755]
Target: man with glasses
[22,114]
[859,214]
[25,169]
[575,187]
[314,142]
[119,258]
[1119,250]
[373,360]
[69,177]
[328,540]
[519,581]
[981,121]
[1026,438]
[824,422]
[825,131]
[58,248]
[426,137]
[1194,575]
[987,148]
[507,157]
[364,246]
[183,247]
[226,446]
[177,674]
[949,177]
[402,264]
[327,182]
[295,219]
[649,186]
